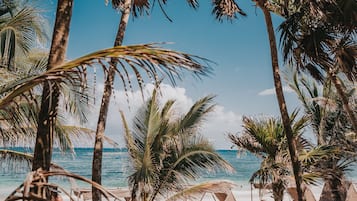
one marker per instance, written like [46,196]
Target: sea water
[116,169]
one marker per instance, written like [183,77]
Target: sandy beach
[241,193]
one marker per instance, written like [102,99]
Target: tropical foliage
[323,43]
[22,28]
[333,133]
[265,138]
[19,123]
[167,151]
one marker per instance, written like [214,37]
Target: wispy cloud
[271,91]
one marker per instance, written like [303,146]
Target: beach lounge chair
[218,191]
[219,196]
[352,193]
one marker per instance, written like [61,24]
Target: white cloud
[271,91]
[217,124]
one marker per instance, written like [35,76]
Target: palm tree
[19,123]
[126,7]
[324,45]
[50,93]
[229,8]
[328,121]
[108,88]
[21,28]
[167,152]
[266,139]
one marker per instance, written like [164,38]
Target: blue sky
[242,76]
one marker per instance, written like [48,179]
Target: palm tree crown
[167,152]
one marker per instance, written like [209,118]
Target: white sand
[240,193]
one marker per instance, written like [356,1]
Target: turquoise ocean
[116,168]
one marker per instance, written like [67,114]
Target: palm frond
[196,114]
[226,9]
[14,160]
[20,33]
[346,56]
[165,157]
[146,57]
[247,143]
[310,157]
[196,191]
[36,180]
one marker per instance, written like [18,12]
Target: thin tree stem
[103,113]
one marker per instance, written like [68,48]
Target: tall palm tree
[328,121]
[126,7]
[19,123]
[108,88]
[266,139]
[50,93]
[229,8]
[167,152]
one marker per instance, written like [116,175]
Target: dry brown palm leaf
[148,58]
[37,180]
[206,187]
[226,9]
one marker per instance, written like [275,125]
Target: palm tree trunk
[108,88]
[50,94]
[278,191]
[344,100]
[335,188]
[281,100]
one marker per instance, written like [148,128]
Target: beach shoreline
[240,192]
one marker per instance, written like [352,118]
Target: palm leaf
[196,191]
[146,57]
[35,180]
[165,156]
[195,115]
[226,9]
[20,33]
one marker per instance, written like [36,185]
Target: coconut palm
[19,123]
[266,139]
[167,152]
[50,92]
[328,121]
[21,28]
[126,7]
[229,8]
[103,111]
[324,45]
